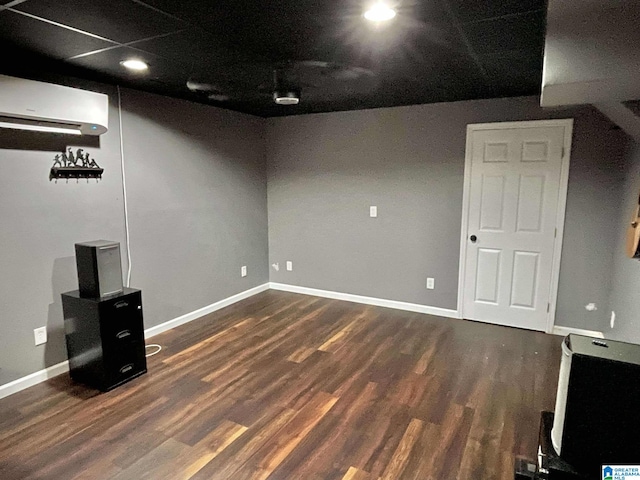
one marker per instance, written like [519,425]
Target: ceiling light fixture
[380,13]
[136,65]
[286,97]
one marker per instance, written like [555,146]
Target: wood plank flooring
[287,386]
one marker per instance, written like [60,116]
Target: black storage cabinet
[105,338]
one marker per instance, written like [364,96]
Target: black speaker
[99,268]
[596,419]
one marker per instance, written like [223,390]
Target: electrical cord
[153,353]
[124,190]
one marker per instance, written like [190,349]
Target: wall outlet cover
[373,211]
[40,335]
[243,271]
[431,283]
[289,266]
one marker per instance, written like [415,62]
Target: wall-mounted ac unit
[45,107]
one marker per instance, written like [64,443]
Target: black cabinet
[105,338]
[550,465]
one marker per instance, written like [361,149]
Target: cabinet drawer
[121,303]
[121,317]
[125,368]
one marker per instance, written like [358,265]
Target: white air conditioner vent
[45,107]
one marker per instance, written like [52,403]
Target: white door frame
[562,204]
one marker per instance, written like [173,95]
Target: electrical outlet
[243,271]
[289,266]
[613,319]
[431,283]
[40,335]
[373,211]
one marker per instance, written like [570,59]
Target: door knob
[473,238]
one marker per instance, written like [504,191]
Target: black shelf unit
[105,338]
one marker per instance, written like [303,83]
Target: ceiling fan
[283,83]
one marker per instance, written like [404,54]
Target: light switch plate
[373,211]
[289,266]
[243,271]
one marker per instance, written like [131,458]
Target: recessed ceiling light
[379,13]
[137,65]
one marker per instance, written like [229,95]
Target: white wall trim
[560,217]
[379,302]
[189,317]
[60,368]
[564,331]
[33,379]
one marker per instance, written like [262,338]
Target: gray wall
[197,192]
[626,271]
[41,221]
[325,171]
[197,198]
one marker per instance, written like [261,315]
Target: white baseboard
[379,302]
[60,368]
[50,372]
[564,331]
[33,379]
[189,317]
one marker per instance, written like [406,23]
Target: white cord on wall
[124,192]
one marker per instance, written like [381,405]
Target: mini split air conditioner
[45,107]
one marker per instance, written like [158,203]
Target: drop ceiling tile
[523,32]
[29,33]
[119,20]
[474,10]
[162,73]
[524,80]
[305,29]
[193,47]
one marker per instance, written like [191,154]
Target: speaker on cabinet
[99,268]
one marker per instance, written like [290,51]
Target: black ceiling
[434,50]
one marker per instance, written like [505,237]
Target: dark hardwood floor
[286,386]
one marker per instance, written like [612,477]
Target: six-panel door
[513,203]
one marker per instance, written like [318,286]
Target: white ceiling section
[591,52]
[591,56]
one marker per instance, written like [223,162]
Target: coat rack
[80,165]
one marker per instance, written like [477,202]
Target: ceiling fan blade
[198,86]
[246,82]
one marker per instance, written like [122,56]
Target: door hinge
[548,307]
[555,232]
[563,151]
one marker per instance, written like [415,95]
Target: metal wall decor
[80,165]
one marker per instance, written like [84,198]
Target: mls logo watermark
[621,472]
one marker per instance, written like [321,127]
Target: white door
[514,188]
